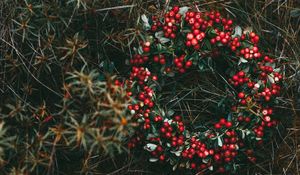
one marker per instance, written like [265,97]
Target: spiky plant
[95,112]
[92,121]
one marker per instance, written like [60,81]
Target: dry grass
[277,21]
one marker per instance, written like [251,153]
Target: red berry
[228,124]
[146,49]
[241,74]
[188,64]
[194,41]
[189,36]
[218,126]
[193,166]
[241,95]
[161,157]
[252,34]
[154,77]
[221,170]
[247,119]
[222,121]
[235,78]
[162,61]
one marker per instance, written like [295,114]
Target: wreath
[183,39]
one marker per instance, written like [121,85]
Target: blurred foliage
[92,121]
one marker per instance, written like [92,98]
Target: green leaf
[153,159]
[237,32]
[229,117]
[183,10]
[177,153]
[243,134]
[201,65]
[207,44]
[150,147]
[145,20]
[211,31]
[174,167]
[171,74]
[159,47]
[164,40]
[220,142]
[160,36]
[271,79]
[242,60]
[170,113]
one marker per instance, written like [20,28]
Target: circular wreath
[173,44]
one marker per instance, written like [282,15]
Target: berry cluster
[228,150]
[254,38]
[250,155]
[223,123]
[197,150]
[243,98]
[194,39]
[239,79]
[267,59]
[181,65]
[146,46]
[222,37]
[250,53]
[161,59]
[267,93]
[196,21]
[244,119]
[277,76]
[158,152]
[156,23]
[172,20]
[135,140]
[138,59]
[235,44]
[140,74]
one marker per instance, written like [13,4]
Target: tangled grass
[42,43]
